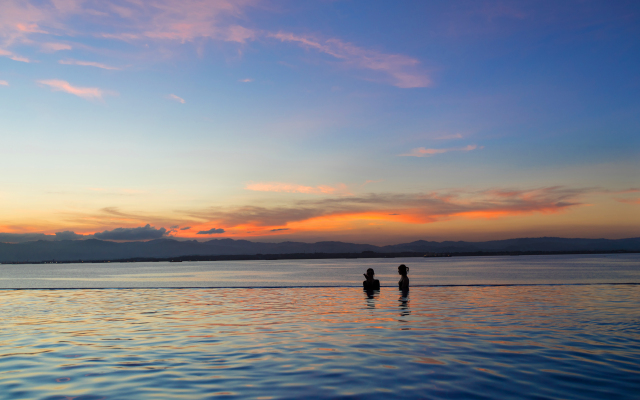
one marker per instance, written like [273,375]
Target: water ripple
[538,342]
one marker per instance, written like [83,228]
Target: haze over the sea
[359,121]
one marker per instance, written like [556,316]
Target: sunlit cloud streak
[4,83]
[406,208]
[87,64]
[14,57]
[247,80]
[87,93]
[402,71]
[424,152]
[176,98]
[53,47]
[293,188]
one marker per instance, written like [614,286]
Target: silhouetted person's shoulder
[375,285]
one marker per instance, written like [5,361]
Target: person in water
[370,283]
[403,284]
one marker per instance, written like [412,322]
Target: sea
[509,327]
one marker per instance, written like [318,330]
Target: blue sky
[350,120]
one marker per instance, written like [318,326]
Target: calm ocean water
[437,342]
[563,269]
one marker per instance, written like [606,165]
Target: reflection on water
[532,342]
[404,304]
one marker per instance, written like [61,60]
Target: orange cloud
[422,152]
[398,208]
[402,71]
[64,86]
[87,64]
[293,188]
[629,201]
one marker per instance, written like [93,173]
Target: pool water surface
[463,342]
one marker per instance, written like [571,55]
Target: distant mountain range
[94,249]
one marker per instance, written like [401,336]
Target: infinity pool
[493,342]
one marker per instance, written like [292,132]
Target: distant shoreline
[322,256]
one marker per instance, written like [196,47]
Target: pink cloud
[24,23]
[29,28]
[247,80]
[239,34]
[53,47]
[401,71]
[176,98]
[182,20]
[87,64]
[4,83]
[14,57]
[293,188]
[423,152]
[87,93]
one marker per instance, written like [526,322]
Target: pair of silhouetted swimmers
[370,283]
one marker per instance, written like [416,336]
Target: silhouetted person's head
[403,269]
[370,283]
[370,273]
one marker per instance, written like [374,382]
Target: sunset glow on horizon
[362,121]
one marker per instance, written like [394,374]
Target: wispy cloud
[53,47]
[424,152]
[87,64]
[4,83]
[294,188]
[13,56]
[174,19]
[87,93]
[176,98]
[161,22]
[247,80]
[400,70]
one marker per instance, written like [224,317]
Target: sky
[358,120]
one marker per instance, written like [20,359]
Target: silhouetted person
[370,283]
[403,284]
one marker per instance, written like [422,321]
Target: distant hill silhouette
[94,249]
